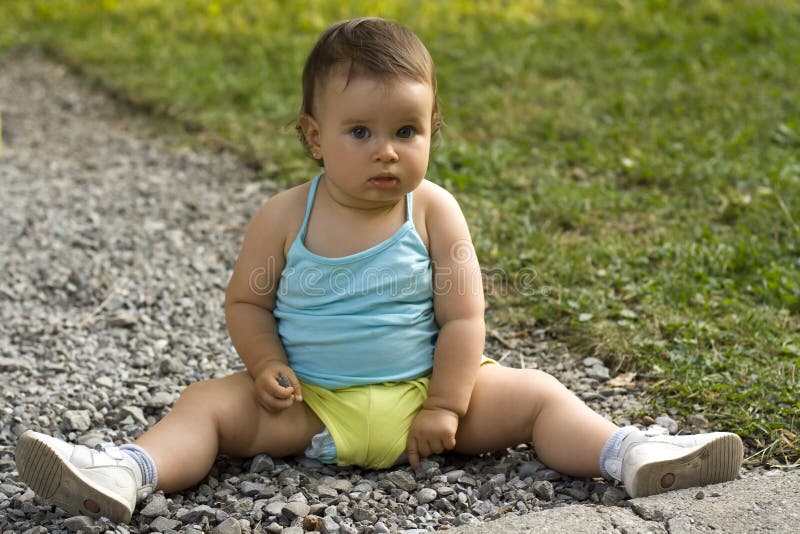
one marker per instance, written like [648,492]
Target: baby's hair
[370,47]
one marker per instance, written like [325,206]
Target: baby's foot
[654,464]
[80,480]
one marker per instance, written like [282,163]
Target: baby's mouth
[384,181]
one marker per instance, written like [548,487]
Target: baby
[357,308]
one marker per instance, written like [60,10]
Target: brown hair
[368,46]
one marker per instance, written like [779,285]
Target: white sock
[613,450]
[147,467]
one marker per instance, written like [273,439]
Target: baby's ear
[310,129]
[436,123]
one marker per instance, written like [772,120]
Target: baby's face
[374,136]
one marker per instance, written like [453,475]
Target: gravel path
[116,248]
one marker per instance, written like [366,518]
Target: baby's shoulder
[286,205]
[430,195]
[435,209]
[434,201]
[282,214]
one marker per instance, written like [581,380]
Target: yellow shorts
[369,424]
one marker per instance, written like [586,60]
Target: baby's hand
[432,432]
[277,387]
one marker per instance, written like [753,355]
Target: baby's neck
[337,228]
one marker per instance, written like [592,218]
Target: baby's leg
[512,406]
[222,416]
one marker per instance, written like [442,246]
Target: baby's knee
[212,394]
[198,391]
[541,378]
[545,386]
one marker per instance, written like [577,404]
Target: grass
[630,170]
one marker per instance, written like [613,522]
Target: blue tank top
[361,319]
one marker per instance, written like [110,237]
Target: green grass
[633,166]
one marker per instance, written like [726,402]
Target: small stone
[402,479]
[700,495]
[598,372]
[342,484]
[196,514]
[122,319]
[160,400]
[275,508]
[243,506]
[105,381]
[668,423]
[135,412]
[548,474]
[592,361]
[229,526]
[289,477]
[465,519]
[11,489]
[251,489]
[487,488]
[444,491]
[697,420]
[544,490]
[79,420]
[329,525]
[483,508]
[79,523]
[361,513]
[529,469]
[381,528]
[453,476]
[293,530]
[612,496]
[467,480]
[171,366]
[362,487]
[647,420]
[262,464]
[298,497]
[274,528]
[318,508]
[426,495]
[295,509]
[326,491]
[429,467]
[156,506]
[163,524]
[579,494]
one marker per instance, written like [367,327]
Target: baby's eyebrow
[412,119]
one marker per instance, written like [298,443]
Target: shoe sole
[717,461]
[59,482]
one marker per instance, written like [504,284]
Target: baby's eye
[405,132]
[359,132]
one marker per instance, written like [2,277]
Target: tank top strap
[410,208]
[312,191]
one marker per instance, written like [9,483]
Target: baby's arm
[459,308]
[250,300]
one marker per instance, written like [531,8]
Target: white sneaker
[80,480]
[655,464]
